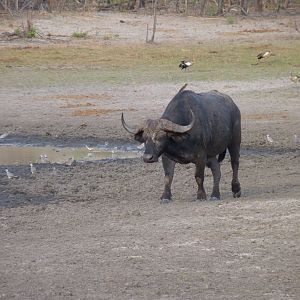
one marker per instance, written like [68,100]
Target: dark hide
[216,127]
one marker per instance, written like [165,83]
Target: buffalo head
[156,135]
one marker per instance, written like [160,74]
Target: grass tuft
[79,35]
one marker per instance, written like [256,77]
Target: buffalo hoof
[202,198]
[165,201]
[201,195]
[213,198]
[237,195]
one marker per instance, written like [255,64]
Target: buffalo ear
[177,137]
[139,136]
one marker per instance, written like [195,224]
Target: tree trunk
[177,6]
[258,6]
[220,7]
[137,4]
[186,6]
[202,7]
[154,21]
[244,7]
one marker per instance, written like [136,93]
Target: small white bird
[89,148]
[295,78]
[141,146]
[32,169]
[70,161]
[4,135]
[269,139]
[10,175]
[185,64]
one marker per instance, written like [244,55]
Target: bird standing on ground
[295,78]
[264,54]
[269,139]
[10,175]
[71,161]
[4,135]
[32,169]
[89,148]
[185,64]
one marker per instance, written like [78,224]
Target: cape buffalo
[194,128]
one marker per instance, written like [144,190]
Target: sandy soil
[98,231]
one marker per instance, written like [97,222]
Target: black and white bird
[185,64]
[10,175]
[264,54]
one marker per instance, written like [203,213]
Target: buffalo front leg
[235,184]
[199,176]
[169,166]
[214,165]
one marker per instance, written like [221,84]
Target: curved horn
[132,130]
[168,125]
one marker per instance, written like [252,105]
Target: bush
[79,35]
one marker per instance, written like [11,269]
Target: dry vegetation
[145,63]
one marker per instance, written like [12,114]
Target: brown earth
[98,231]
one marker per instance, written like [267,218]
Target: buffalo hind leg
[235,184]
[199,176]
[169,166]
[214,165]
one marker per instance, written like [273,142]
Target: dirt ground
[98,231]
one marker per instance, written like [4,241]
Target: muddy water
[24,154]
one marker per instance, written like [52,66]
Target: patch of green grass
[79,35]
[18,32]
[32,32]
[140,63]
[231,20]
[29,33]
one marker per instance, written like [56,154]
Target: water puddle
[12,154]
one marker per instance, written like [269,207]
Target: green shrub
[31,33]
[231,20]
[79,35]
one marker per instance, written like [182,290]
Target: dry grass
[82,97]
[77,105]
[96,112]
[125,63]
[93,112]
[263,30]
[265,116]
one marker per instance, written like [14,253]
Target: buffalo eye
[140,137]
[158,137]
